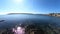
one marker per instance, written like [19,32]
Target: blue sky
[29,6]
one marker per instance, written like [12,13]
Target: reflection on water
[19,30]
[33,23]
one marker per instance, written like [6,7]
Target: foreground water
[12,20]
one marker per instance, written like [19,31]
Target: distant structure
[54,14]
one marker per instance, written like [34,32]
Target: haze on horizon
[29,6]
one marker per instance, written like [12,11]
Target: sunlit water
[12,20]
[19,30]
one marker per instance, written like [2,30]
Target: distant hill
[26,14]
[18,13]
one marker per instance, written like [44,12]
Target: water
[13,20]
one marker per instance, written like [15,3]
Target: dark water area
[13,20]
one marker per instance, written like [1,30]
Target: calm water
[12,20]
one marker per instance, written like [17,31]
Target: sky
[29,6]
